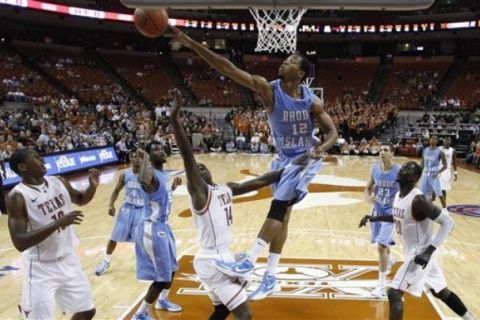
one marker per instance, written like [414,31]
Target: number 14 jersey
[214,221]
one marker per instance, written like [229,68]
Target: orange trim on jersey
[207,205]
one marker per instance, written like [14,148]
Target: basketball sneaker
[379,291]
[267,286]
[142,316]
[239,268]
[104,265]
[390,264]
[165,304]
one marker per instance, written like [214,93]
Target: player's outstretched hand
[364,221]
[111,211]
[317,153]
[74,217]
[94,177]
[177,181]
[302,160]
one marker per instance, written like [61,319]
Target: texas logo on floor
[310,289]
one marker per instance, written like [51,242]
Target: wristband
[455,172]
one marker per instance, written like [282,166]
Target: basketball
[151,23]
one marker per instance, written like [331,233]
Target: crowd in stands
[413,88]
[110,117]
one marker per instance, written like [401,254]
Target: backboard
[283,4]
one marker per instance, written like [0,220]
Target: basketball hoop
[277,29]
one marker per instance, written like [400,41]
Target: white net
[277,29]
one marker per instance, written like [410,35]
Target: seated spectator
[476,156]
[363,147]
[230,146]
[374,146]
[240,141]
[345,149]
[470,153]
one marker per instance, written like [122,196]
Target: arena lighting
[232,26]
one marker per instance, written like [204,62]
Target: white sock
[382,277]
[107,257]
[468,316]
[273,260]
[164,293]
[143,307]
[257,249]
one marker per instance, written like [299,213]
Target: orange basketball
[151,23]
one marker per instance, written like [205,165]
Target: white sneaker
[390,264]
[379,291]
[102,267]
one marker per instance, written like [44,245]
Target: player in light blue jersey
[293,110]
[130,213]
[380,190]
[430,182]
[155,244]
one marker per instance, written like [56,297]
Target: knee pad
[278,210]
[159,286]
[442,295]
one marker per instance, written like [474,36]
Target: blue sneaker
[239,268]
[266,287]
[142,316]
[104,265]
[165,304]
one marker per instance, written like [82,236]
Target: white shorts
[446,180]
[412,278]
[62,281]
[221,288]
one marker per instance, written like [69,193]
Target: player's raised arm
[82,197]
[223,65]
[145,176]
[196,185]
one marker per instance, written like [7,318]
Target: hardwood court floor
[323,228]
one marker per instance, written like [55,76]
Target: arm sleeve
[446,226]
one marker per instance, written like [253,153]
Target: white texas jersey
[415,235]
[45,204]
[214,222]
[448,156]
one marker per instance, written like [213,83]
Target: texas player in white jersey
[211,205]
[41,223]
[413,215]
[446,176]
